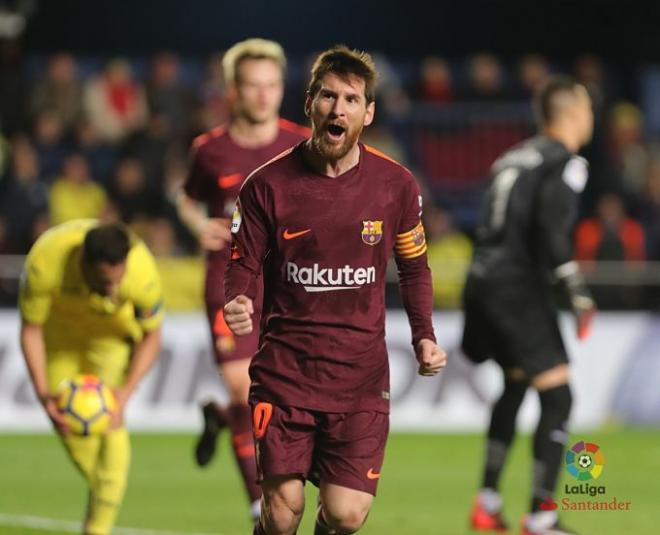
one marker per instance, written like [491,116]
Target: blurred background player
[90,302]
[222,159]
[523,250]
[323,220]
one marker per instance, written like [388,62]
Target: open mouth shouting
[335,132]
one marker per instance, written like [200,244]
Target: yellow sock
[109,482]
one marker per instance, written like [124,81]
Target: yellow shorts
[106,358]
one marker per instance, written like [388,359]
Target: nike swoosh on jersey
[372,475]
[227,181]
[291,235]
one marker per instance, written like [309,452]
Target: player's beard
[336,151]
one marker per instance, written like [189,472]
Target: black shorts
[514,324]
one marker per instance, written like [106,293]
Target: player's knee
[348,518]
[555,410]
[558,399]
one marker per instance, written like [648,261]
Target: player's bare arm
[238,315]
[211,232]
[144,356]
[431,357]
[34,352]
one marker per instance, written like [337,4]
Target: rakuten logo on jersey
[318,279]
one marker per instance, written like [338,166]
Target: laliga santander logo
[584,461]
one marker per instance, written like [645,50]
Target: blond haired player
[221,160]
[90,302]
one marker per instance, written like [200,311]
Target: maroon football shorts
[226,346]
[345,449]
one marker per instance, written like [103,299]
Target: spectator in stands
[101,156]
[486,79]
[161,238]
[168,96]
[60,92]
[212,96]
[50,143]
[74,195]
[129,193]
[115,102]
[13,88]
[533,72]
[590,72]
[381,138]
[25,197]
[650,209]
[5,247]
[611,235]
[151,146]
[449,255]
[390,93]
[628,153]
[436,84]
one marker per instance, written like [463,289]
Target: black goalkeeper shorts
[514,324]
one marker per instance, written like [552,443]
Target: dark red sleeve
[250,240]
[198,182]
[415,281]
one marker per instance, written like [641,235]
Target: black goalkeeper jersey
[528,213]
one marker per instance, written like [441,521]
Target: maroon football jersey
[324,244]
[219,167]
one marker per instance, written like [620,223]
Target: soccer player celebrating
[321,222]
[90,302]
[523,249]
[222,159]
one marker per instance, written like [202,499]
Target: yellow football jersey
[55,294]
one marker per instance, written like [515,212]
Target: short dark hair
[344,62]
[547,99]
[106,243]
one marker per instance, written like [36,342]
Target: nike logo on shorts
[372,475]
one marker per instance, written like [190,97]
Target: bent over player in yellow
[91,302]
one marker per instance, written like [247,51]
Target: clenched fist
[431,357]
[238,315]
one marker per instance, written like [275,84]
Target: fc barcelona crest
[372,232]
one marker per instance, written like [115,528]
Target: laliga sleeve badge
[236,219]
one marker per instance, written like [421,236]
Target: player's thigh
[350,449]
[236,376]
[108,359]
[551,378]
[479,340]
[284,496]
[285,438]
[527,331]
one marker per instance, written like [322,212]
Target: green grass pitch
[427,486]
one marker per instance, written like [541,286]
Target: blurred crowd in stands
[109,138]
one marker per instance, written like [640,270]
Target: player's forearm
[191,213]
[34,352]
[240,280]
[144,356]
[416,287]
[572,282]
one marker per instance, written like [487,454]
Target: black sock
[259,529]
[501,431]
[321,527]
[549,441]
